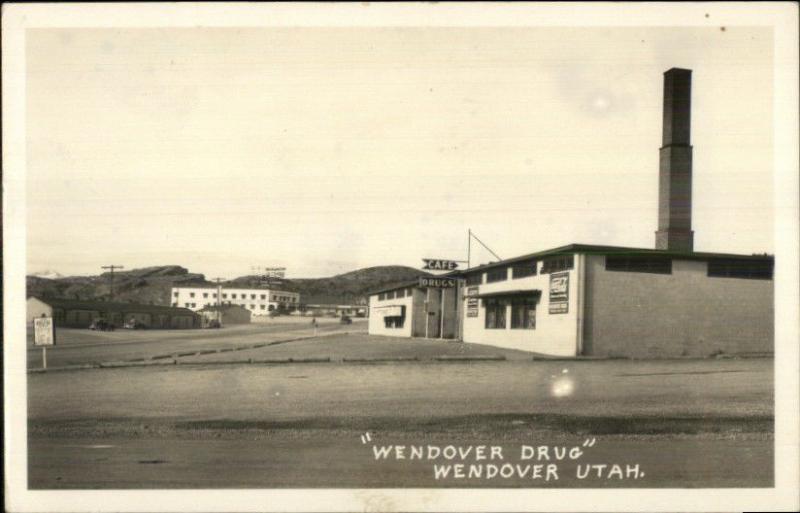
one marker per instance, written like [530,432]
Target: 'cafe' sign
[436,264]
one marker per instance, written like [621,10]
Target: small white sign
[43,332]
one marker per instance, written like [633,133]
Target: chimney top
[675,173]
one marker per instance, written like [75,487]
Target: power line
[473,236]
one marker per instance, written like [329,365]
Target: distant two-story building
[260,302]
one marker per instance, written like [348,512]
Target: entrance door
[433,309]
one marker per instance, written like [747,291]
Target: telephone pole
[219,299]
[111,268]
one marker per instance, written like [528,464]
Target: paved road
[286,392]
[342,461]
[691,423]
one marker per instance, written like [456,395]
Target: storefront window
[500,274]
[495,314]
[639,264]
[393,322]
[523,314]
[524,269]
[732,268]
[558,263]
[475,279]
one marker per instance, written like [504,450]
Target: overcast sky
[327,150]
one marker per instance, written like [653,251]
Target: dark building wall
[418,316]
[79,318]
[685,313]
[450,313]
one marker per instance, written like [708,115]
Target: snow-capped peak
[47,273]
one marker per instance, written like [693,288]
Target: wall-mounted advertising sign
[437,283]
[472,301]
[559,293]
[438,264]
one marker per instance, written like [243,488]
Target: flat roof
[214,308]
[108,306]
[396,286]
[229,287]
[611,250]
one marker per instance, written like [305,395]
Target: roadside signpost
[44,335]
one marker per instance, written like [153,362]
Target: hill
[148,285]
[151,285]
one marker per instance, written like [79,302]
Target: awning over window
[389,311]
[534,293]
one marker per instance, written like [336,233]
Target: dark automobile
[345,320]
[133,324]
[101,325]
[213,324]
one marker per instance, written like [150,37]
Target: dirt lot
[694,423]
[83,346]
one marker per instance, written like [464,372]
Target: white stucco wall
[555,334]
[376,324]
[182,297]
[35,309]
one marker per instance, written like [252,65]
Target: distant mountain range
[49,274]
[151,285]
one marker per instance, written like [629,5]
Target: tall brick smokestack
[675,171]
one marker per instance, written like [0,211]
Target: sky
[325,150]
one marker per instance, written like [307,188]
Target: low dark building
[80,314]
[224,314]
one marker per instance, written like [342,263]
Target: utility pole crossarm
[111,268]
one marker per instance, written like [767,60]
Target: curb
[380,360]
[498,358]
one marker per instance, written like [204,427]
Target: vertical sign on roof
[559,293]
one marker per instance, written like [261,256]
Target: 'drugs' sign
[559,293]
[437,283]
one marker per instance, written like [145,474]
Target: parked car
[101,325]
[213,324]
[345,320]
[133,324]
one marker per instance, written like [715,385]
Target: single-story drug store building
[584,300]
[587,300]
